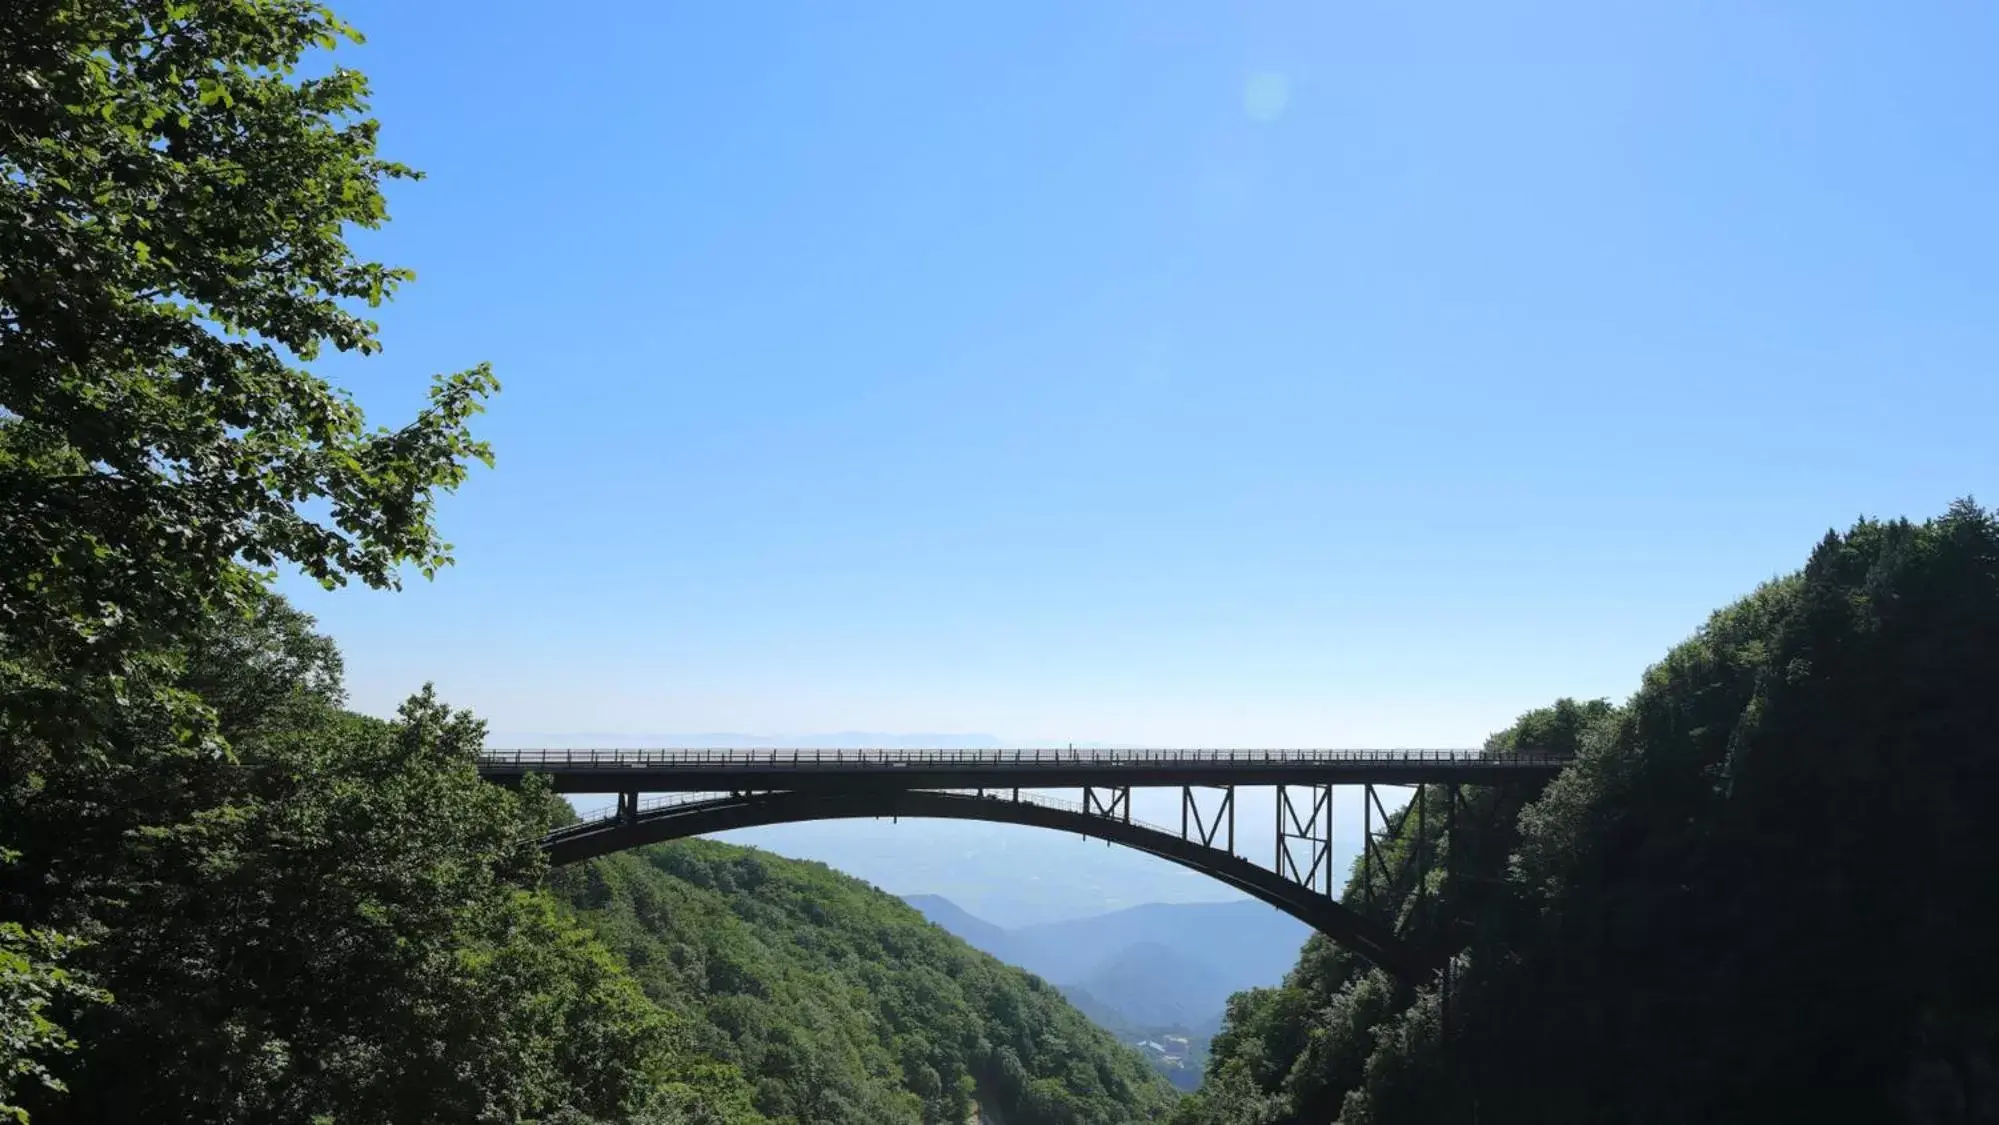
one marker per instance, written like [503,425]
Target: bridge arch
[1366,936]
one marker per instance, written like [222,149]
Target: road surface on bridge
[706,770]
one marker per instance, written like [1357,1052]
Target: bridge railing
[709,757]
[649,805]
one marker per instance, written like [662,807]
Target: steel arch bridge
[713,790]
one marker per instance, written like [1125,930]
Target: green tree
[32,979]
[174,205]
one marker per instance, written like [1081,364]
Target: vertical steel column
[1322,817]
[1422,848]
[1277,860]
[628,808]
[1367,845]
[1449,897]
[1453,865]
[1330,804]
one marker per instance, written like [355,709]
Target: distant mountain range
[1152,985]
[1148,972]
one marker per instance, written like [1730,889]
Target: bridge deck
[697,770]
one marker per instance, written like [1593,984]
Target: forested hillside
[841,1004]
[1764,892]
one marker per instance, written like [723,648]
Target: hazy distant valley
[1157,976]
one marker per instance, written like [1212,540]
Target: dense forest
[1764,892]
[841,1003]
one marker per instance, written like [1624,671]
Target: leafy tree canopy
[175,199]
[32,980]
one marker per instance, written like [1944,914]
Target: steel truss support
[1422,872]
[1221,822]
[1113,802]
[1448,982]
[1314,830]
[1454,800]
[1413,878]
[1373,861]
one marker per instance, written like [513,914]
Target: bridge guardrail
[690,757]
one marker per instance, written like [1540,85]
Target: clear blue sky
[1179,372]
